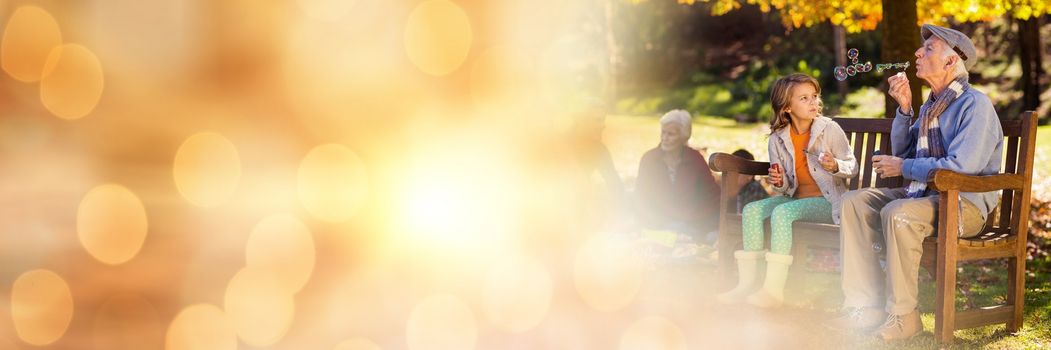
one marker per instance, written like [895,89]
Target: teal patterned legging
[782,210]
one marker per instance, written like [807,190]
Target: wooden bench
[1004,235]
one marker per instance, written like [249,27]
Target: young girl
[810,161]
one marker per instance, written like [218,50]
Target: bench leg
[728,243]
[1015,291]
[797,273]
[945,305]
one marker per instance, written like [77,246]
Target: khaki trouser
[875,218]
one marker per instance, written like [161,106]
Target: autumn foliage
[861,15]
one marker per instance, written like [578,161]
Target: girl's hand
[776,177]
[828,163]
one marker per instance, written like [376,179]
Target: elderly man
[955,129]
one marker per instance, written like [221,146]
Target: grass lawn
[629,137]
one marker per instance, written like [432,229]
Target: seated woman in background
[675,189]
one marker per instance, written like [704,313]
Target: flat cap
[956,40]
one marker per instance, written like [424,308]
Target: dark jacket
[692,198]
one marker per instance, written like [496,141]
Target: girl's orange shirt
[807,186]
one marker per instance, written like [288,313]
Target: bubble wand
[843,72]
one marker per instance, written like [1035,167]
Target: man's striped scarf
[929,143]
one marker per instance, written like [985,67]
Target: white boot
[773,292]
[748,263]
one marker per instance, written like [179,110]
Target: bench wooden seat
[1003,237]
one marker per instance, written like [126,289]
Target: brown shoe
[857,319]
[899,327]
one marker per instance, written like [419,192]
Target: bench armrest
[944,180]
[724,162]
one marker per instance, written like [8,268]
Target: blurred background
[298,175]
[398,174]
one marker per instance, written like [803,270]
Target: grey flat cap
[956,40]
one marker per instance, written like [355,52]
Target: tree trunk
[839,40]
[613,52]
[1030,57]
[901,38]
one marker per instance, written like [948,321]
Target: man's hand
[899,90]
[887,166]
[828,162]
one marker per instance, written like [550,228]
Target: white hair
[682,118]
[959,68]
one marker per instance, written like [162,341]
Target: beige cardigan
[825,136]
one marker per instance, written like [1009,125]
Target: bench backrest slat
[870,146]
[1021,149]
[866,136]
[1009,166]
[857,138]
[889,182]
